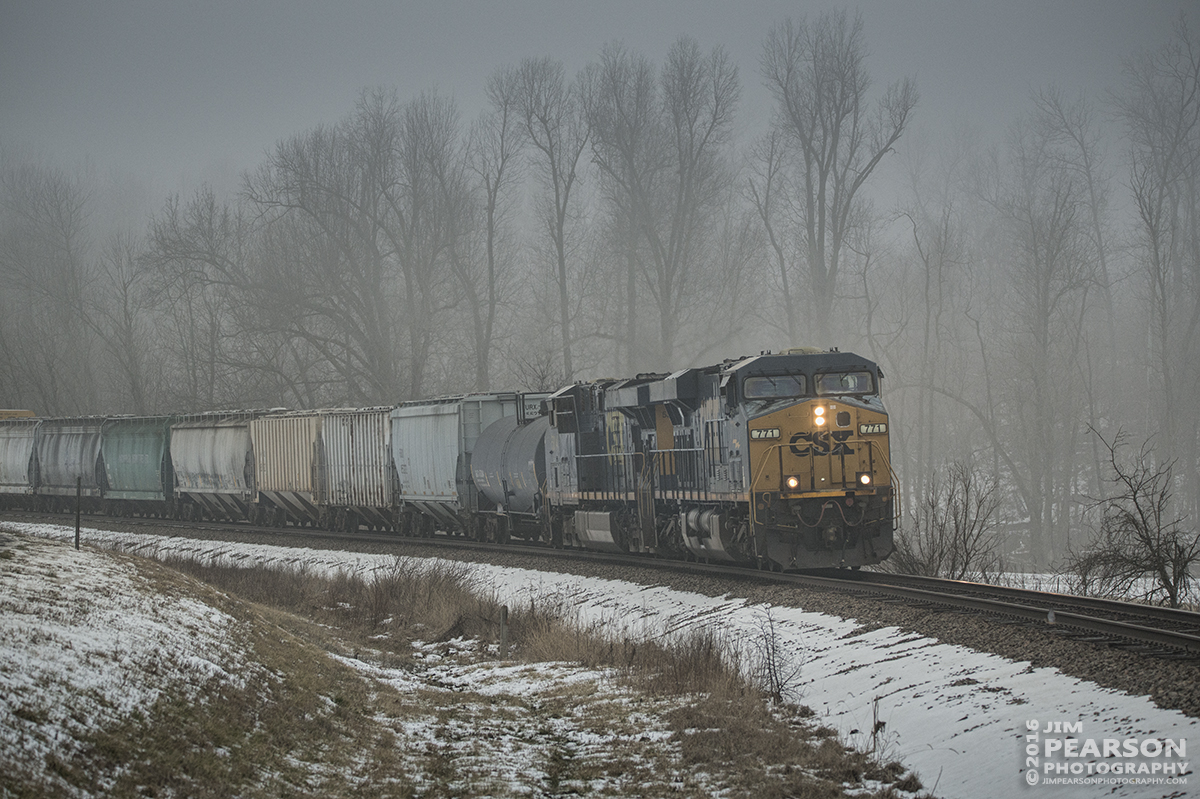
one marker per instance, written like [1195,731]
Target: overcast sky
[173,93]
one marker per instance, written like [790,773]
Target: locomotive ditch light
[793,483]
[864,478]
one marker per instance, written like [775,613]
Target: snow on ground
[86,640]
[956,716]
[508,746]
[78,635]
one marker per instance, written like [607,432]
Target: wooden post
[503,632]
[78,503]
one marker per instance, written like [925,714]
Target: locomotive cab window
[773,386]
[845,383]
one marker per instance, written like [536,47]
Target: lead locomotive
[777,460]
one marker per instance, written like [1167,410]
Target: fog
[176,93]
[302,204]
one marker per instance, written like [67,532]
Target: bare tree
[768,189]
[1072,133]
[373,210]
[554,113]
[199,251]
[820,83]
[628,147]
[953,531]
[1142,548]
[941,253]
[699,95]
[661,147]
[496,143]
[772,668]
[1048,265]
[45,265]
[121,311]
[536,369]
[1161,111]
[429,211]
[321,197]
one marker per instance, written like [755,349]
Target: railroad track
[1143,629]
[1151,629]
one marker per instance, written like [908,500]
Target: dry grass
[727,723]
[440,601]
[674,716]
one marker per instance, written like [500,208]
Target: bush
[1141,549]
[952,533]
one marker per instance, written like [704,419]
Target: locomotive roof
[804,360]
[800,361]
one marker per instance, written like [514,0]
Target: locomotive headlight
[819,411]
[819,415]
[793,483]
[864,478]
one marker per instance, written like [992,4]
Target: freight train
[779,461]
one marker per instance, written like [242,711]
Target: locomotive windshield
[773,386]
[844,383]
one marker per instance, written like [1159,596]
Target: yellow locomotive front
[821,486]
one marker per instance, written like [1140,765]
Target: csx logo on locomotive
[819,443]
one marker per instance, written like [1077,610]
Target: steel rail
[1052,617]
[945,593]
[1180,616]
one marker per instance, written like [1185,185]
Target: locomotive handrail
[632,456]
[896,517]
[683,468]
